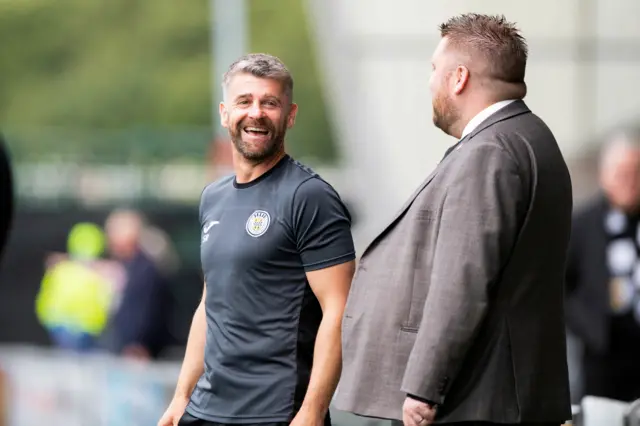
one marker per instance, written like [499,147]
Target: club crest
[258,223]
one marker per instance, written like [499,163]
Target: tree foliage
[112,79]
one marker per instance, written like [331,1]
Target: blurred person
[278,258]
[456,312]
[138,327]
[603,274]
[74,299]
[158,246]
[6,195]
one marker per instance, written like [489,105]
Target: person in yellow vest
[74,299]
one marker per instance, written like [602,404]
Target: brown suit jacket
[460,299]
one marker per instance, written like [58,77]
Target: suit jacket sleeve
[480,218]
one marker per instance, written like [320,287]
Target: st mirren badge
[258,223]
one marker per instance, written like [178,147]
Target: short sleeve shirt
[258,240]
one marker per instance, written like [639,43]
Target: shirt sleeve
[322,226]
[201,207]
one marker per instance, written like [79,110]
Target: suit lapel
[511,110]
[454,147]
[402,211]
[413,196]
[417,192]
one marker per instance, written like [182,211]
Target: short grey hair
[622,138]
[260,65]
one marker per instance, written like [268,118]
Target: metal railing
[43,386]
[48,386]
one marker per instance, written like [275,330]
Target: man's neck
[247,171]
[628,210]
[471,113]
[466,116]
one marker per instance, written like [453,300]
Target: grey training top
[258,241]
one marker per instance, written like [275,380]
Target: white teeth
[255,129]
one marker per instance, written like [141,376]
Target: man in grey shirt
[278,259]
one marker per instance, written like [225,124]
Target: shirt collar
[483,115]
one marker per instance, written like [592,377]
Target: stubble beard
[445,115]
[269,149]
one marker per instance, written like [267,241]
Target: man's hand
[417,413]
[308,418]
[174,412]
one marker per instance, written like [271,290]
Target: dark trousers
[189,420]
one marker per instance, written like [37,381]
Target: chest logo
[258,223]
[206,229]
[210,225]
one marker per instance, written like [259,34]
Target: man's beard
[264,150]
[445,115]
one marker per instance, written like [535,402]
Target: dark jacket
[587,298]
[6,195]
[141,318]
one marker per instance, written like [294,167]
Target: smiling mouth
[256,131]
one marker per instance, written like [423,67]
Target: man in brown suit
[456,312]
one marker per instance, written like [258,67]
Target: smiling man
[278,259]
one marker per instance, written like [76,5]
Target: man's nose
[256,111]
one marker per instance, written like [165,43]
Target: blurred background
[109,114]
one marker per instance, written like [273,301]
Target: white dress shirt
[483,115]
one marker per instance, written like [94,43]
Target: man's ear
[461,78]
[224,115]
[291,118]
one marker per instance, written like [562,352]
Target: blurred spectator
[138,327]
[74,299]
[6,195]
[157,245]
[603,275]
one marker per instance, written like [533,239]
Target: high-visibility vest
[75,297]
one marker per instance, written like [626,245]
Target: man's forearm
[327,365]
[193,364]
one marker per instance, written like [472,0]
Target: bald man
[603,274]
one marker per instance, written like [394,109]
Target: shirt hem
[330,262]
[236,420]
